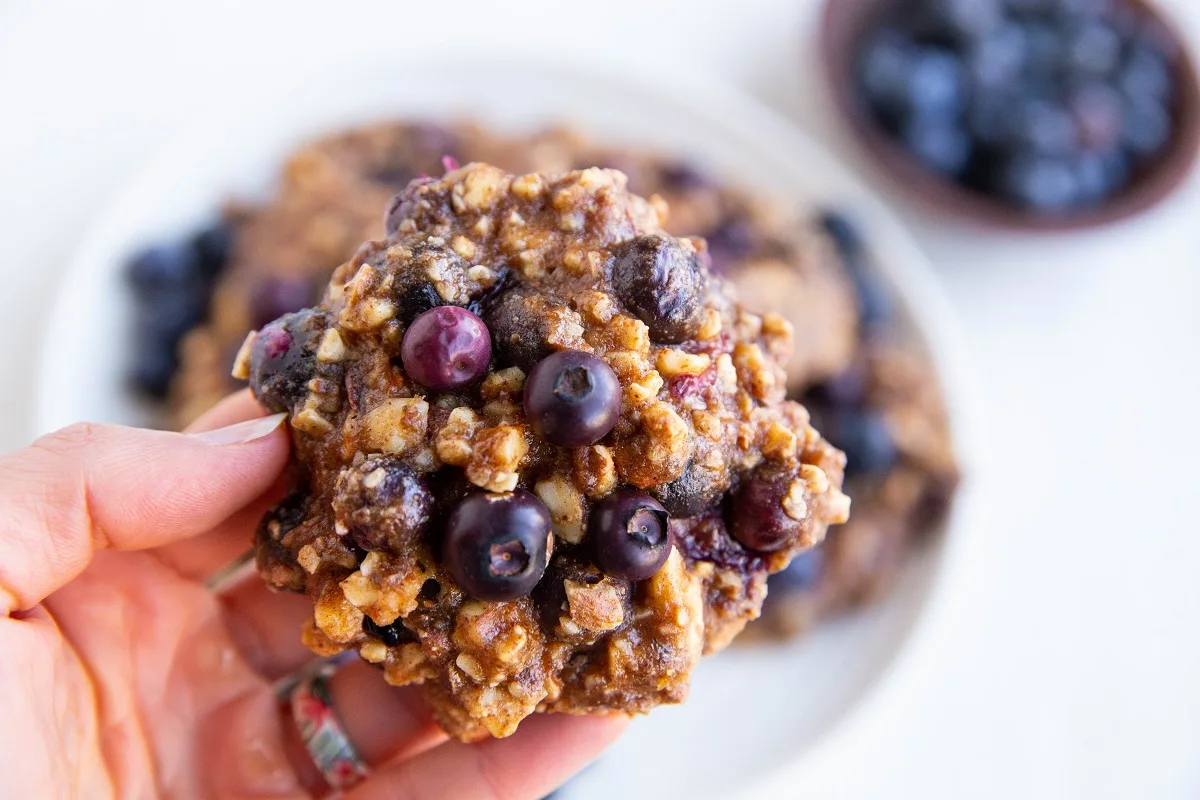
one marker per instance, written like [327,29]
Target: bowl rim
[837,31]
[744,118]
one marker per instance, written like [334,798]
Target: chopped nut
[453,442]
[502,382]
[707,424]
[672,362]
[595,471]
[630,333]
[312,423]
[396,425]
[565,504]
[710,326]
[308,558]
[360,590]
[755,372]
[779,443]
[528,186]
[373,651]
[794,504]
[241,364]
[496,458]
[463,246]
[332,349]
[471,667]
[595,607]
[815,477]
[644,390]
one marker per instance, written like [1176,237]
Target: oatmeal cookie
[539,447]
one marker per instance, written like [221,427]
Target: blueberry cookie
[544,462]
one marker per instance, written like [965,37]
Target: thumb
[94,486]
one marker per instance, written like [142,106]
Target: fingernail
[242,432]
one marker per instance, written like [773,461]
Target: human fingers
[93,486]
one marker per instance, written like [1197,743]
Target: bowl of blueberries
[1020,114]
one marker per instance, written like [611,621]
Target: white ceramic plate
[753,710]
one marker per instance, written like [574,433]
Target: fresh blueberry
[732,239]
[662,284]
[989,120]
[844,231]
[1098,110]
[1146,74]
[1147,127]
[164,268]
[758,518]
[847,389]
[803,573]
[446,348]
[1100,174]
[628,534]
[153,367]
[274,296]
[682,176]
[1045,127]
[954,21]
[936,82]
[1045,49]
[940,143]
[495,544]
[1094,48]
[882,69]
[572,398]
[866,439]
[213,247]
[391,635]
[1042,184]
[995,61]
[169,315]
[283,359]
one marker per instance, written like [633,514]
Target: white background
[1066,662]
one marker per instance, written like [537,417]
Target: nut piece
[453,441]
[565,504]
[595,607]
[396,426]
[496,457]
[672,362]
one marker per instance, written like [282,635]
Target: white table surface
[1067,660]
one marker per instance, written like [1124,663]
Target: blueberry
[1041,184]
[804,572]
[1146,74]
[572,398]
[164,268]
[1099,175]
[1045,127]
[847,389]
[936,82]
[169,315]
[1094,48]
[663,284]
[274,296]
[446,348]
[283,359]
[1147,128]
[989,120]
[995,61]
[213,247]
[682,176]
[758,518]
[384,504]
[1098,110]
[1044,51]
[844,231]
[628,534]
[693,492]
[940,143]
[866,439]
[732,239]
[957,20]
[518,320]
[391,635]
[882,67]
[153,367]
[495,544]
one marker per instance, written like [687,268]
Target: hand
[121,675]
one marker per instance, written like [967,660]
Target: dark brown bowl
[842,24]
